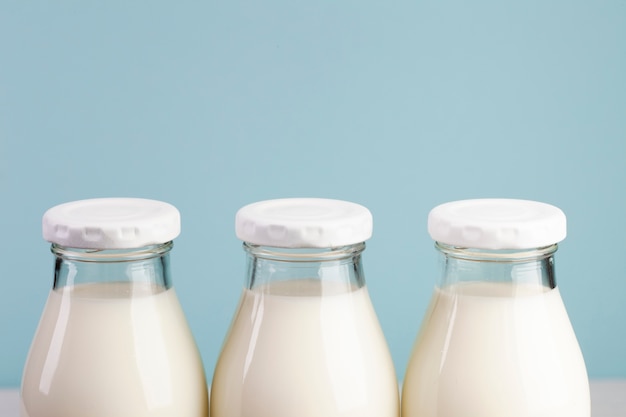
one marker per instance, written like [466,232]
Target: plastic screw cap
[111,223]
[303,223]
[497,224]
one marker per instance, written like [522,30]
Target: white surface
[497,224]
[9,403]
[608,399]
[111,223]
[303,223]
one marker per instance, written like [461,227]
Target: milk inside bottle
[113,339]
[496,339]
[305,340]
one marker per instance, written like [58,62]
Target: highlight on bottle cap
[497,224]
[304,223]
[111,223]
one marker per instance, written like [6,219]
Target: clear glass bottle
[113,339]
[305,340]
[496,339]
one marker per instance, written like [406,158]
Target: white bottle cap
[111,223]
[497,224]
[303,223]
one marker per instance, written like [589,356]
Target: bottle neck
[533,267]
[148,266]
[302,271]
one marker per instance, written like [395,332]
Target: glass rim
[304,254]
[111,255]
[499,255]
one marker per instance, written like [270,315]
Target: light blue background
[398,106]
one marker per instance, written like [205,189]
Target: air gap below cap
[497,224]
[303,223]
[111,223]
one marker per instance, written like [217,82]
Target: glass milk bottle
[305,340]
[113,340]
[496,339]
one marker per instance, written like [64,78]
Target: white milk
[305,355]
[100,352]
[483,352]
